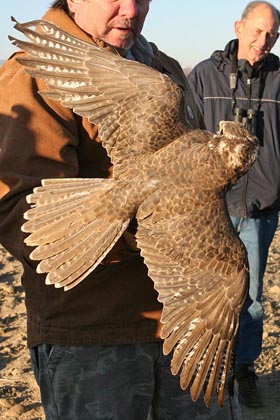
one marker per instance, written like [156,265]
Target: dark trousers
[121,382]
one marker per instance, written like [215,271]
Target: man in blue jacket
[242,83]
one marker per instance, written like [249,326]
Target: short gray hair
[253,4]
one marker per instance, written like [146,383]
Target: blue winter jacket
[258,192]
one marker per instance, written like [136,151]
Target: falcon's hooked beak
[221,128]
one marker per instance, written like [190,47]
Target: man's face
[257,34]
[117,22]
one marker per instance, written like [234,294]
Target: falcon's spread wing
[199,269]
[110,91]
[171,179]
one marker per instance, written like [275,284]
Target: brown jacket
[40,138]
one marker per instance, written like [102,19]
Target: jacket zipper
[246,177]
[244,193]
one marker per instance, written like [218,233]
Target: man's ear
[72,5]
[238,27]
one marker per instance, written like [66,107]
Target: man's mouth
[124,29]
[126,26]
[260,50]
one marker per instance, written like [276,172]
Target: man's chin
[257,58]
[121,44]
[122,48]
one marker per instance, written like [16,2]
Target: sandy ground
[19,396]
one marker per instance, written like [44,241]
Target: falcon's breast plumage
[171,178]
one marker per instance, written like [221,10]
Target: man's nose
[128,8]
[263,39]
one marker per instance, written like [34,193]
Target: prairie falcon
[170,178]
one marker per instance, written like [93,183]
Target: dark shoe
[248,392]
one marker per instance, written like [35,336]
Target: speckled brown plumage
[171,178]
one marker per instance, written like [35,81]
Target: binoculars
[247,117]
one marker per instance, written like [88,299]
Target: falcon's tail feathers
[74,223]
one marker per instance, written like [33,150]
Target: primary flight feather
[170,178]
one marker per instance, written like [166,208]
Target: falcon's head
[237,147]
